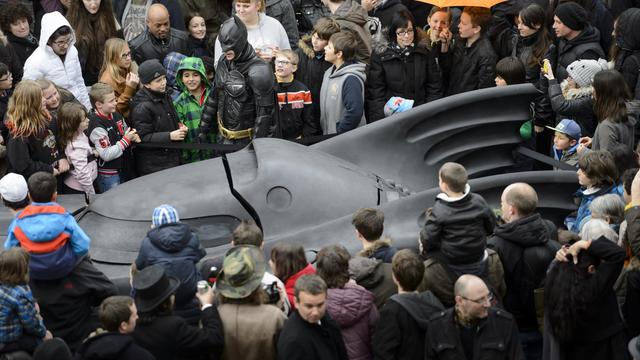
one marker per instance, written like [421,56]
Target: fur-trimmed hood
[575,93]
[306,46]
[381,250]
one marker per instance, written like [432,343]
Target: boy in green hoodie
[195,87]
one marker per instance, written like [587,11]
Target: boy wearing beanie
[155,119]
[176,247]
[577,39]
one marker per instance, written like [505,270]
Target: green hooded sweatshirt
[189,108]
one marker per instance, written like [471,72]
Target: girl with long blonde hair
[32,144]
[121,72]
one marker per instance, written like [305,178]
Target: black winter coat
[629,306]
[178,250]
[9,57]
[386,11]
[496,337]
[154,117]
[578,106]
[470,68]
[628,40]
[169,337]
[416,76]
[526,248]
[311,69]
[455,231]
[585,46]
[67,304]
[23,47]
[27,155]
[300,340]
[401,329]
[112,346]
[146,46]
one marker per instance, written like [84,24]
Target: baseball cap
[569,128]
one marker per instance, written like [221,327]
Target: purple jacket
[353,309]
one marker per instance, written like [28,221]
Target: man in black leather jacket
[159,38]
[242,104]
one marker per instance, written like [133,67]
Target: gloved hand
[202,138]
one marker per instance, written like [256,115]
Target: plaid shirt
[18,314]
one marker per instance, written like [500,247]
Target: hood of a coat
[589,34]
[628,30]
[526,232]
[421,306]
[306,46]
[357,69]
[352,11]
[195,64]
[363,271]
[387,4]
[170,237]
[105,346]
[349,304]
[50,23]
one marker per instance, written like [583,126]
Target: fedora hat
[152,286]
[242,272]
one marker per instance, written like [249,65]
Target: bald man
[526,245]
[473,329]
[132,15]
[159,38]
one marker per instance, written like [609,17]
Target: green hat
[242,272]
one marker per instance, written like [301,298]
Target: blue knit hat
[164,214]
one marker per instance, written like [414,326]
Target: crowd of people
[486,283]
[94,93]
[162,74]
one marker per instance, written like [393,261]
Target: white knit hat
[583,71]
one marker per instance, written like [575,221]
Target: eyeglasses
[404,32]
[61,43]
[126,55]
[483,300]
[8,77]
[282,62]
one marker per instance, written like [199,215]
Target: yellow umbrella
[450,3]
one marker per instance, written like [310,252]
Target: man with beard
[243,101]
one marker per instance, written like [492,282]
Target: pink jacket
[84,173]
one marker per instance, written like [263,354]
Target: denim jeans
[106,182]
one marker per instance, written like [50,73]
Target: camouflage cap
[242,272]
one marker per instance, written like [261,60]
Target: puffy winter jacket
[414,75]
[85,168]
[311,69]
[154,117]
[44,63]
[177,249]
[353,309]
[470,68]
